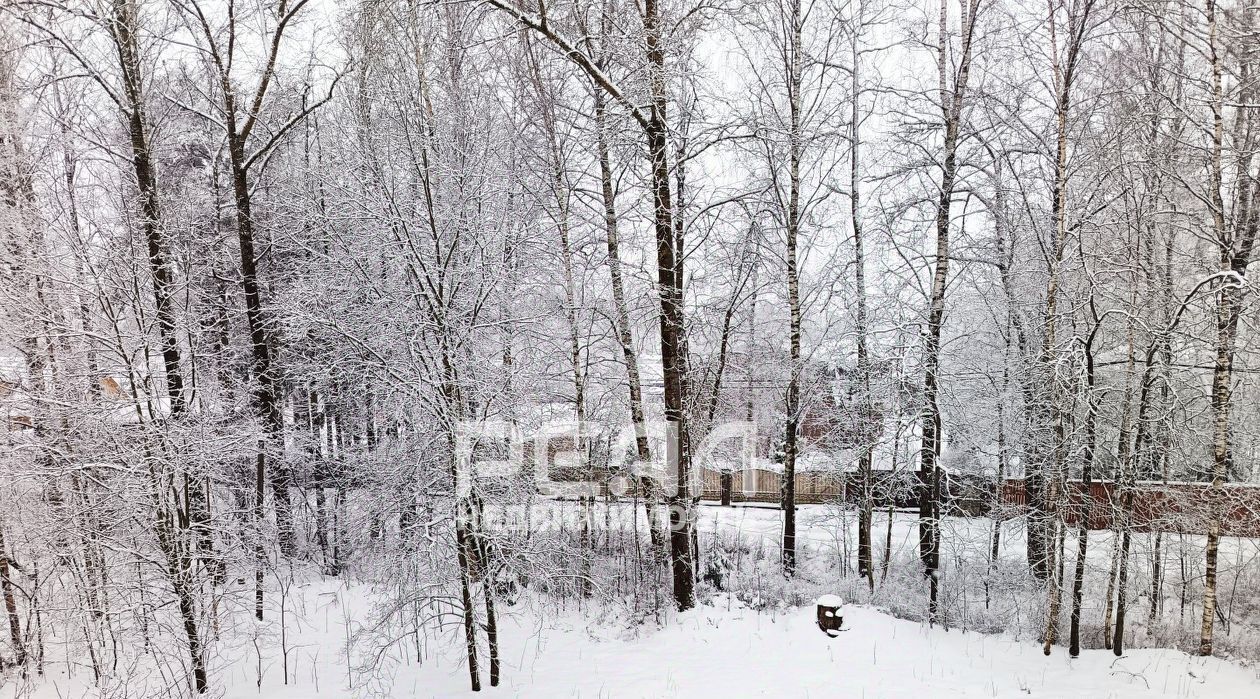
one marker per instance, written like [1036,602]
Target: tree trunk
[1122,583]
[266,394]
[123,31]
[669,281]
[560,194]
[10,604]
[951,104]
[1227,307]
[625,337]
[1111,589]
[1087,479]
[179,573]
[1235,249]
[1062,74]
[995,542]
[462,549]
[668,271]
[866,507]
[793,223]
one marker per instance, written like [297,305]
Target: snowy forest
[394,348]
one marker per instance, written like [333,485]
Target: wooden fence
[964,495]
[1156,506]
[762,485]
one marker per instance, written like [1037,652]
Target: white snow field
[726,648]
[713,651]
[737,652]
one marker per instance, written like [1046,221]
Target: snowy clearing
[736,645]
[724,650]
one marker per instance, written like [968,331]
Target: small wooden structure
[830,618]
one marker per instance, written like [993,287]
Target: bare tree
[952,96]
[655,126]
[1234,232]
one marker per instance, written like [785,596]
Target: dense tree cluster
[265,264]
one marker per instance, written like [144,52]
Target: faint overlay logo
[558,456]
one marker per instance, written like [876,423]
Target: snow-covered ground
[724,650]
[727,648]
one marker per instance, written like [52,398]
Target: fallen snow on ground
[722,650]
[730,651]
